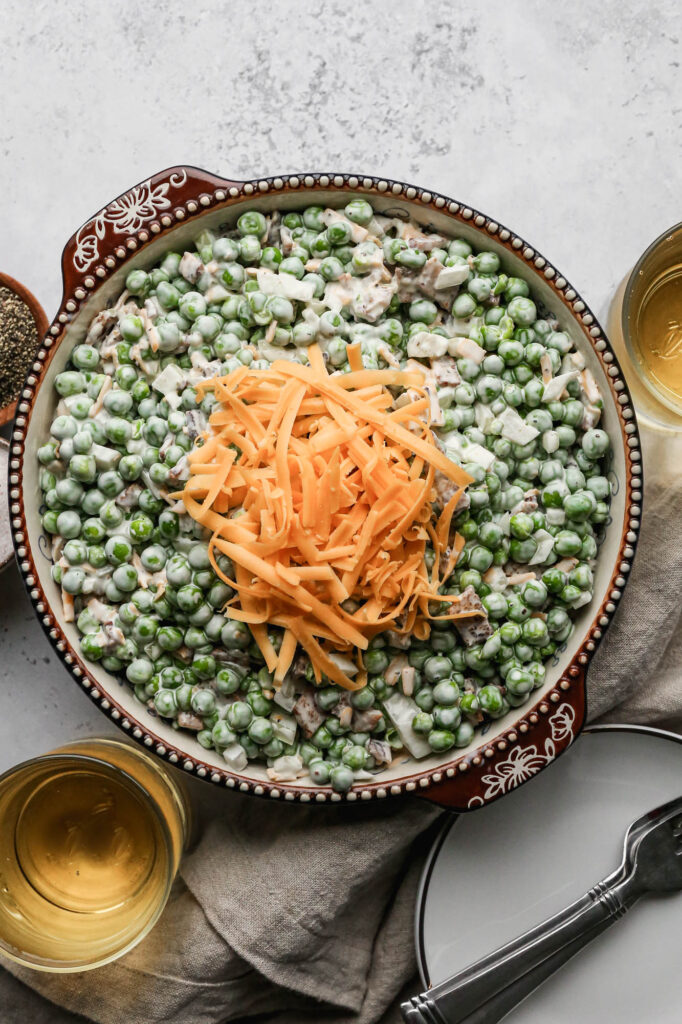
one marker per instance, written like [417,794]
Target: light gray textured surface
[563,123]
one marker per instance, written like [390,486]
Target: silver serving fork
[486,991]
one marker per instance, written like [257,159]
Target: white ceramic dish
[494,874]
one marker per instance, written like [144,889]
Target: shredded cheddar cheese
[320,492]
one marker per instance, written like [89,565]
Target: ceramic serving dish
[38,313]
[165,212]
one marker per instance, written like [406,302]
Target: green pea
[535,593]
[131,328]
[422,723]
[441,740]
[480,558]
[580,506]
[110,483]
[68,524]
[412,259]
[600,487]
[557,620]
[480,287]
[534,632]
[375,661]
[423,311]
[85,357]
[495,605]
[446,692]
[118,402]
[490,700]
[140,670]
[235,635]
[70,382]
[522,550]
[511,352]
[342,778]
[252,223]
[436,668]
[124,578]
[447,718]
[169,638]
[519,681]
[118,550]
[567,543]
[464,305]
[595,443]
[464,734]
[359,211]
[521,525]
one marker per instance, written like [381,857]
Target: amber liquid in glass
[658,331]
[90,840]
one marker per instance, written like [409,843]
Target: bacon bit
[307,714]
[380,751]
[335,496]
[416,239]
[408,676]
[142,574]
[445,370]
[398,640]
[346,716]
[150,330]
[190,267]
[395,669]
[518,578]
[364,721]
[186,720]
[99,401]
[590,386]
[495,578]
[270,333]
[546,367]
[286,768]
[67,605]
[528,503]
[385,352]
[473,626]
[104,320]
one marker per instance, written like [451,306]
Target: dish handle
[133,218]
[514,757]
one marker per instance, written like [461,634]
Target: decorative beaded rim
[156,206]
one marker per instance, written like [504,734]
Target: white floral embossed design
[126,215]
[524,762]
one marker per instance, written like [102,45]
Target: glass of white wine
[645,328]
[91,837]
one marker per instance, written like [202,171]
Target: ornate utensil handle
[500,1005]
[455,1000]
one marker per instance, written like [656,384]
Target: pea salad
[511,401]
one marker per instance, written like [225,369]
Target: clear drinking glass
[91,837]
[645,328]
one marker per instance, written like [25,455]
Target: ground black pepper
[18,343]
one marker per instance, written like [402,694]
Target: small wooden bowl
[7,413]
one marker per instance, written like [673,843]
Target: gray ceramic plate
[493,874]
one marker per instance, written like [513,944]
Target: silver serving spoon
[487,990]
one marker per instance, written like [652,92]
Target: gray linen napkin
[288,915]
